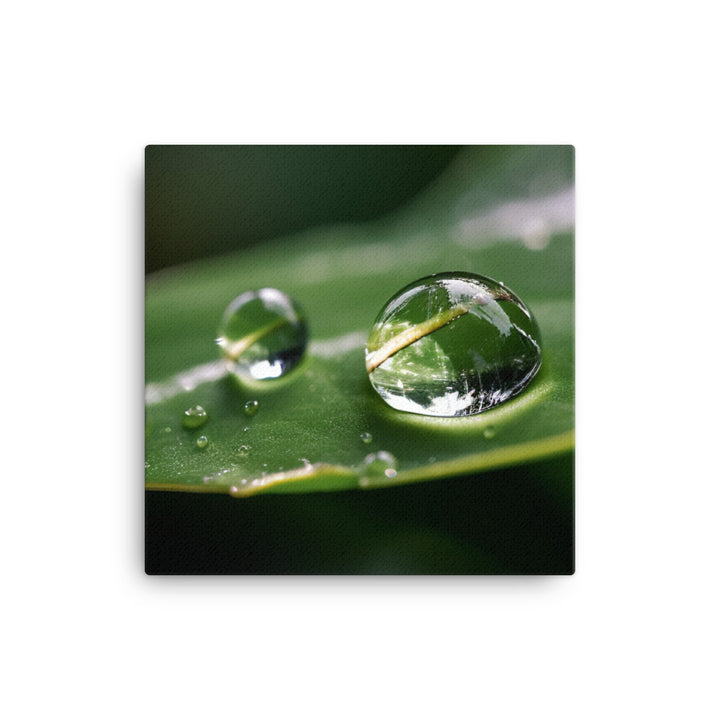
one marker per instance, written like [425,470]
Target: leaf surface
[506,213]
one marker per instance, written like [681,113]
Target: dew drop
[263,335]
[202,442]
[378,466]
[194,417]
[243,450]
[452,344]
[489,432]
[366,437]
[251,407]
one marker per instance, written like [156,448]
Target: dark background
[208,200]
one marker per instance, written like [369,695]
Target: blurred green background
[207,200]
[203,201]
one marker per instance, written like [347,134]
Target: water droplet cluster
[452,344]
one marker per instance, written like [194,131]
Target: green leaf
[506,213]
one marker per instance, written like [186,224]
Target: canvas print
[359,360]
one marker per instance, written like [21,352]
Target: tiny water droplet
[194,417]
[452,344]
[243,450]
[378,466]
[251,407]
[263,334]
[366,437]
[489,432]
[202,442]
[167,430]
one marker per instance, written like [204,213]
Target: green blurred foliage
[204,200]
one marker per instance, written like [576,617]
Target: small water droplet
[233,488]
[366,437]
[167,430]
[378,466]
[263,334]
[452,344]
[202,442]
[194,417]
[243,450]
[489,432]
[251,407]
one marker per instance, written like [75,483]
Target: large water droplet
[452,344]
[263,334]
[194,417]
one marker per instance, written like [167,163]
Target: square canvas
[359,360]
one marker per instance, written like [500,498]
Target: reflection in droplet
[194,417]
[263,335]
[452,344]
